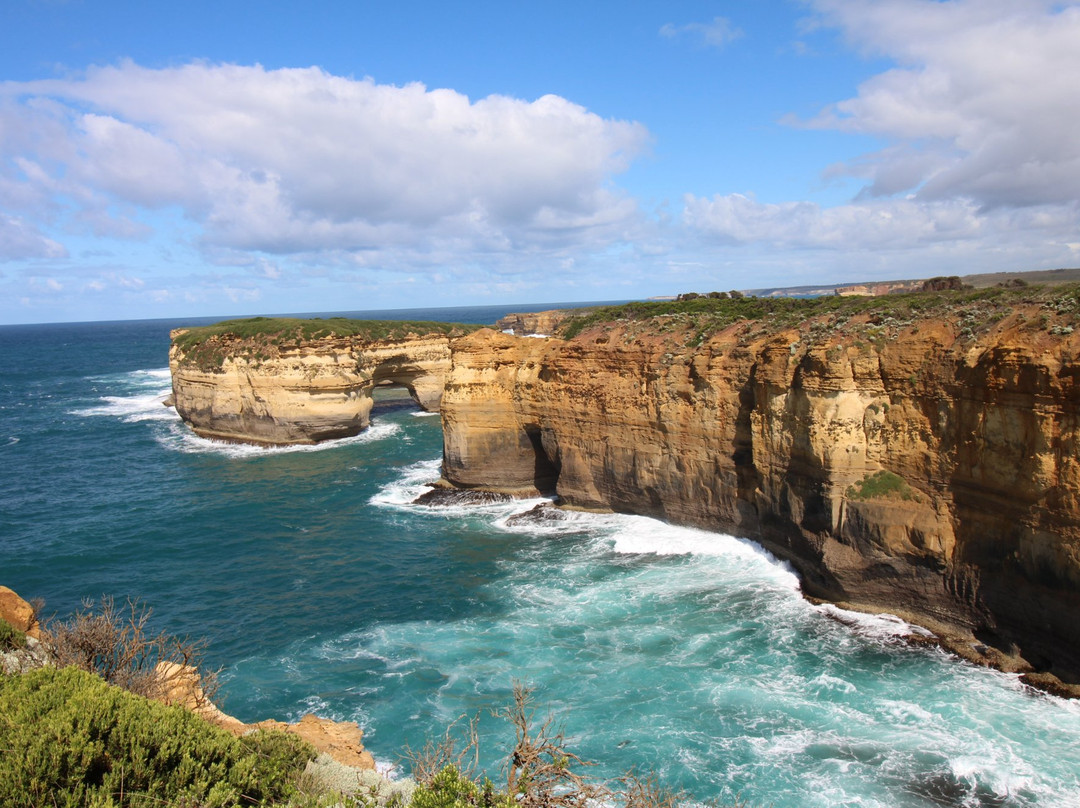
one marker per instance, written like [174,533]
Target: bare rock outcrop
[929,467]
[20,614]
[536,322]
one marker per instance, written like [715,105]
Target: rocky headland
[913,453]
[281,381]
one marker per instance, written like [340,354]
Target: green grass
[881,484]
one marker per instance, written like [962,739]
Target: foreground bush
[68,739]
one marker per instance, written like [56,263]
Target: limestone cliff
[917,455]
[269,382]
[536,322]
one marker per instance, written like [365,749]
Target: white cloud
[740,219]
[893,238]
[20,240]
[982,163]
[982,104]
[298,160]
[717,33]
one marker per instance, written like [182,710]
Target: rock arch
[306,393]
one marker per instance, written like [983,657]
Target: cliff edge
[915,453]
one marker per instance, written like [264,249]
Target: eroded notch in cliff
[546,466]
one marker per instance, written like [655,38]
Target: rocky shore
[916,455]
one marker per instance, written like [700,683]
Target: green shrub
[207,347]
[881,484]
[10,637]
[451,789]
[69,739]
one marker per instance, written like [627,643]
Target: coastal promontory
[915,453]
[275,381]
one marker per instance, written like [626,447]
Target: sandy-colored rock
[341,740]
[19,613]
[182,685]
[536,322]
[763,431]
[315,391]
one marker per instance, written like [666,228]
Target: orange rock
[19,613]
[181,685]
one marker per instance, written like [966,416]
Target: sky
[234,157]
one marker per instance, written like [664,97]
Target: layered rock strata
[300,393]
[928,468]
[536,322]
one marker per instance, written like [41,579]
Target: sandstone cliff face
[774,434]
[301,393]
[535,322]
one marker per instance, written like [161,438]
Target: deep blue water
[319,587]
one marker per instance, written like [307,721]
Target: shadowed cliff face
[302,393]
[779,434]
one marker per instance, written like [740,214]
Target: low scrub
[115,643]
[259,337]
[882,484]
[317,328]
[69,739]
[707,314]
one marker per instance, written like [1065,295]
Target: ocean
[318,586]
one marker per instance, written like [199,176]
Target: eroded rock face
[18,613]
[305,393]
[341,740]
[770,434]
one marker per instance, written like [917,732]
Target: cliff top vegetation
[702,315]
[264,337]
[282,330]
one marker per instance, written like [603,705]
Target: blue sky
[183,159]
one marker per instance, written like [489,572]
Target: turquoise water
[319,587]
